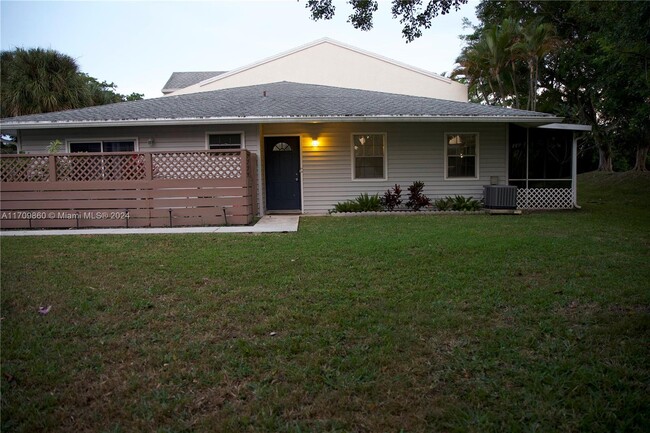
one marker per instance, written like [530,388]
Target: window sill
[373,179]
[461,178]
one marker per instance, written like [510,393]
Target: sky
[138,44]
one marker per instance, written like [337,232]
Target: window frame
[353,158]
[476,156]
[241,134]
[69,141]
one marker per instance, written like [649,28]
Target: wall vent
[500,197]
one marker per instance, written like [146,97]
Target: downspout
[261,183]
[19,142]
[527,164]
[574,168]
[507,179]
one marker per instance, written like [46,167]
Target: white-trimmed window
[224,141]
[461,155]
[101,146]
[369,156]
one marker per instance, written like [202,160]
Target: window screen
[224,141]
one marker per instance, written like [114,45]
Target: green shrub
[369,203]
[443,204]
[461,203]
[458,203]
[363,203]
[347,206]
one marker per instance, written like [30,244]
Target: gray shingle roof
[181,80]
[282,100]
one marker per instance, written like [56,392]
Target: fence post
[253,177]
[52,168]
[148,166]
[244,158]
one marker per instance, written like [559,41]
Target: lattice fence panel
[105,167]
[25,169]
[545,198]
[197,165]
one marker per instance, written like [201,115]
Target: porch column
[574,170]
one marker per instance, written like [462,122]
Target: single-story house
[325,122]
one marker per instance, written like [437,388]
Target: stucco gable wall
[334,65]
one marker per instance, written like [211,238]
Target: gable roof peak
[180,80]
[321,41]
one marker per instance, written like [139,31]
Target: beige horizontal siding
[165,137]
[415,152]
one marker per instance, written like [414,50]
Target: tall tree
[473,70]
[414,15]
[106,93]
[587,61]
[40,80]
[537,39]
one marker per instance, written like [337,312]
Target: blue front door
[282,165]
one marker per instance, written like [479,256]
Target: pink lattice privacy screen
[128,189]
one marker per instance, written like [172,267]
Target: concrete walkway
[268,224]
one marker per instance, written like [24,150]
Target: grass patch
[419,323]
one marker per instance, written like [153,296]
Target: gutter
[292,119]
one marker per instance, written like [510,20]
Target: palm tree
[537,40]
[510,35]
[495,48]
[40,81]
[472,70]
[492,61]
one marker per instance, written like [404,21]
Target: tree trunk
[491,87]
[605,158]
[496,72]
[531,89]
[641,157]
[604,153]
[514,85]
[535,84]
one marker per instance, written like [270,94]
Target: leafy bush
[363,203]
[443,204]
[392,199]
[417,200]
[461,203]
[55,146]
[347,206]
[369,203]
[458,203]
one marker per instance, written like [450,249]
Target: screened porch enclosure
[541,164]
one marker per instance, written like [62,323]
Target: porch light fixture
[314,143]
[151,142]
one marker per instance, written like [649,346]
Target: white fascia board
[313,44]
[301,119]
[567,127]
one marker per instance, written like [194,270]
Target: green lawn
[539,322]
